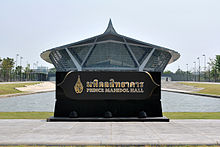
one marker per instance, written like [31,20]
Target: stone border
[23,93]
[188,92]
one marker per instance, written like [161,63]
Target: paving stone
[25,131]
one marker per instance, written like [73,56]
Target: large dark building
[110,51]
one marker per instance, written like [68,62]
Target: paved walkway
[43,86]
[175,86]
[40,132]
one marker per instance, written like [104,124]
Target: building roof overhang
[110,31]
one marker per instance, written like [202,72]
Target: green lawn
[192,115]
[25,115]
[170,115]
[10,88]
[208,88]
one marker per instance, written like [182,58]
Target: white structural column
[141,67]
[132,54]
[79,68]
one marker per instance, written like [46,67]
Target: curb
[20,94]
[186,92]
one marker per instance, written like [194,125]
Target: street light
[199,69]
[27,75]
[195,69]
[37,72]
[204,66]
[16,67]
[209,72]
[187,72]
[20,66]
[16,59]
[34,64]
[204,61]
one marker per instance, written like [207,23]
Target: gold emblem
[78,86]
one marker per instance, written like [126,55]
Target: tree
[217,62]
[215,68]
[179,71]
[168,72]
[0,69]
[52,70]
[18,70]
[7,65]
[27,71]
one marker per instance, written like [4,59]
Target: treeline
[10,72]
[210,74]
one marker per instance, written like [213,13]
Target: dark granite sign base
[101,119]
[108,96]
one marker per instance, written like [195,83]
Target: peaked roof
[110,28]
[107,35]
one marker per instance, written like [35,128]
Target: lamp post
[187,72]
[34,64]
[199,69]
[27,72]
[16,67]
[37,72]
[204,66]
[209,72]
[195,70]
[20,66]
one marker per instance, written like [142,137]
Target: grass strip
[10,88]
[208,88]
[192,115]
[170,115]
[25,115]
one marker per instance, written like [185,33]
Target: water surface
[177,102]
[33,102]
[171,102]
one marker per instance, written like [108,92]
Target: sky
[190,27]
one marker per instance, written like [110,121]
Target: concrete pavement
[43,86]
[175,132]
[175,86]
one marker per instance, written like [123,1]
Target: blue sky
[191,27]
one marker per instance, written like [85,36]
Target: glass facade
[80,52]
[158,61]
[110,55]
[61,60]
[140,52]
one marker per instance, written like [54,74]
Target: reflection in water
[171,102]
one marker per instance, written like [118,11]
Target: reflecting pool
[171,102]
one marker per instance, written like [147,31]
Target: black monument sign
[108,85]
[83,96]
